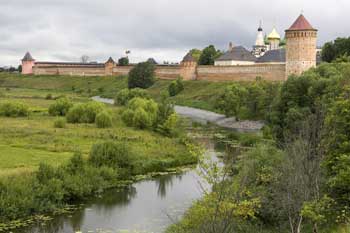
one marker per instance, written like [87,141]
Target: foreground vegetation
[57,147]
[297,178]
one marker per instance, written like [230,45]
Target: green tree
[232,100]
[208,56]
[335,49]
[196,53]
[123,61]
[337,160]
[142,75]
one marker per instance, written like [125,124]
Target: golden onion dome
[274,34]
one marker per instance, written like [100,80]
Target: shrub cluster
[60,107]
[141,113]
[125,95]
[13,109]
[175,87]
[51,188]
[147,114]
[85,112]
[103,120]
[112,154]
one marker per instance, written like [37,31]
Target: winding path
[204,116]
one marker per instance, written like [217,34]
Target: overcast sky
[63,30]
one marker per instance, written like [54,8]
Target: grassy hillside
[199,94]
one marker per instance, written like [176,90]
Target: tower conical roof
[28,57]
[110,60]
[274,34]
[188,58]
[301,24]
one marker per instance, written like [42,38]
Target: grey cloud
[163,29]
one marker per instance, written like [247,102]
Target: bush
[125,95]
[111,154]
[60,107]
[84,113]
[175,87]
[49,97]
[142,75]
[60,123]
[103,120]
[171,126]
[13,109]
[141,113]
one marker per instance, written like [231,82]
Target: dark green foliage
[103,120]
[247,101]
[333,50]
[301,97]
[208,55]
[13,109]
[112,154]
[84,113]
[142,75]
[52,188]
[60,107]
[60,123]
[165,108]
[175,87]
[123,61]
[337,161]
[125,95]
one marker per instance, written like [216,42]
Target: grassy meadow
[201,94]
[25,142]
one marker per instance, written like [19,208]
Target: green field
[200,94]
[25,142]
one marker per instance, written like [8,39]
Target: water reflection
[142,207]
[166,182]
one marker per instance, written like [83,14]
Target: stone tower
[109,64]
[27,64]
[301,39]
[274,39]
[188,69]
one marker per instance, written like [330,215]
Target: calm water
[146,206]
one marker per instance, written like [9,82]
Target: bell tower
[301,40]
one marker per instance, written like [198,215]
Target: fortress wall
[162,71]
[270,72]
[69,70]
[168,72]
[121,70]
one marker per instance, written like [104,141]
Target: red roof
[301,24]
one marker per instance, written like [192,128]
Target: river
[144,207]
